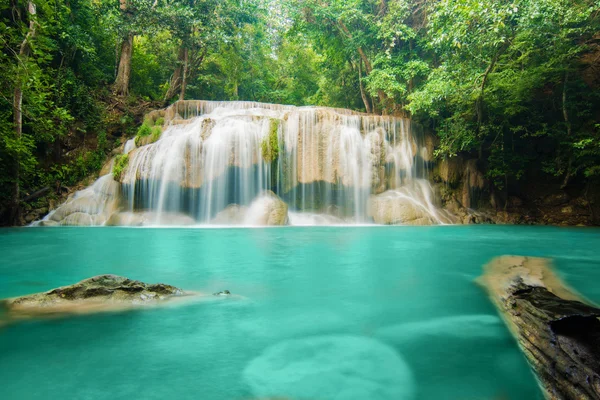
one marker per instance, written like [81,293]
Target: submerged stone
[330,367]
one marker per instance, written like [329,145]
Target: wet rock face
[103,288]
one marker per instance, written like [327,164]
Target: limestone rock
[107,167]
[430,141]
[556,199]
[146,218]
[394,207]
[450,170]
[267,210]
[330,367]
[233,214]
[99,293]
[91,206]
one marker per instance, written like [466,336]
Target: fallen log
[557,329]
[36,194]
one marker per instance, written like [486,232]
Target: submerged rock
[330,367]
[557,331]
[99,293]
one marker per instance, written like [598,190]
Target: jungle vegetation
[513,83]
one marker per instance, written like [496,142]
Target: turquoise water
[328,313]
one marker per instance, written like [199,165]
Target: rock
[395,207]
[90,206]
[147,218]
[450,170]
[330,367]
[30,218]
[85,205]
[514,202]
[47,222]
[473,183]
[267,210]
[581,202]
[107,167]
[81,219]
[556,199]
[223,293]
[556,328]
[567,210]
[99,293]
[427,152]
[233,214]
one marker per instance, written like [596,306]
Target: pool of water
[327,313]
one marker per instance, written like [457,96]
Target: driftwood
[556,328]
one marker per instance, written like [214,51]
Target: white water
[330,164]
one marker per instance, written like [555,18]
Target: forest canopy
[514,83]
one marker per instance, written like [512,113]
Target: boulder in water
[233,214]
[396,207]
[99,293]
[330,367]
[267,210]
[148,218]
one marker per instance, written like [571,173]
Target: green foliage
[146,130]
[510,82]
[270,144]
[121,162]
[155,133]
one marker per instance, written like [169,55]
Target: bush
[143,131]
[121,162]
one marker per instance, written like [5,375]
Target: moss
[270,144]
[121,162]
[148,130]
[159,121]
[156,132]
[144,130]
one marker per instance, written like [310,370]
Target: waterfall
[215,161]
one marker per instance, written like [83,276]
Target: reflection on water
[344,313]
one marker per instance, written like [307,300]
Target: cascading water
[247,163]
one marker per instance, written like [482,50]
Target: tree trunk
[124,71]
[368,67]
[184,75]
[568,123]
[24,52]
[362,90]
[175,82]
[557,330]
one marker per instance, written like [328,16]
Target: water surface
[396,296]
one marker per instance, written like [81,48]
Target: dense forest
[513,83]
